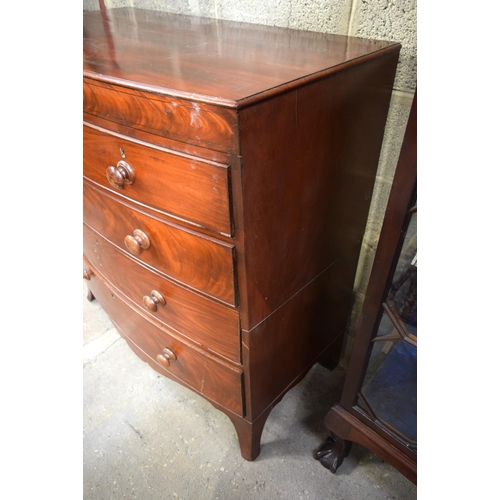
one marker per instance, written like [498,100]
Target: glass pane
[390,385]
[402,297]
[386,327]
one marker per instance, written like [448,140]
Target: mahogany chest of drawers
[227,176]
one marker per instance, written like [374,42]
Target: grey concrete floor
[149,438]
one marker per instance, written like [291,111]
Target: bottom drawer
[213,380]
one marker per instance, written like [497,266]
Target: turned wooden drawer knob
[137,241]
[120,175]
[87,273]
[166,357]
[153,301]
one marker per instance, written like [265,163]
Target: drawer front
[177,185]
[199,262]
[205,321]
[201,373]
[178,119]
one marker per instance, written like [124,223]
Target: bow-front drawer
[207,322]
[178,185]
[180,120]
[168,355]
[198,261]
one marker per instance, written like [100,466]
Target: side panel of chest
[309,159]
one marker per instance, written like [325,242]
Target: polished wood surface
[136,242]
[315,189]
[121,175]
[154,300]
[196,261]
[198,318]
[349,429]
[200,124]
[308,326]
[177,185]
[202,373]
[215,61]
[255,265]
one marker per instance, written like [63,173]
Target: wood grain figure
[252,151]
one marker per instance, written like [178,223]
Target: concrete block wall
[394,20]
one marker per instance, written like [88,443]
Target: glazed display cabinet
[378,407]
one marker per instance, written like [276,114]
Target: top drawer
[182,186]
[200,124]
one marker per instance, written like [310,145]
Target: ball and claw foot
[332,453]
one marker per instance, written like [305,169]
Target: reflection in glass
[402,296]
[390,386]
[386,327]
[389,391]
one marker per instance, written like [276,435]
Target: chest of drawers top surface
[218,61]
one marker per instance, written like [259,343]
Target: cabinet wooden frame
[351,419]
